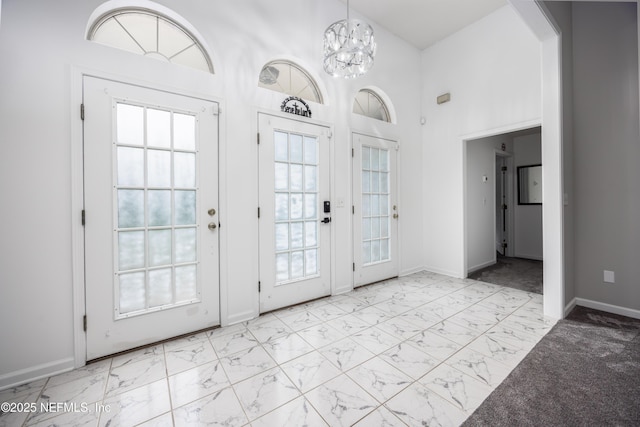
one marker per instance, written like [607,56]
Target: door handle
[212,226]
[327,220]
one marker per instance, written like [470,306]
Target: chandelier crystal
[349,48]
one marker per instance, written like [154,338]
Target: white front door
[151,195]
[295,230]
[375,213]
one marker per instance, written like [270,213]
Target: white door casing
[151,237]
[295,232]
[375,209]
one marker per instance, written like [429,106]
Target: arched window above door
[290,78]
[369,103]
[150,34]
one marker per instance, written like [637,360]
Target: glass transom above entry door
[375,205]
[155,226]
[296,206]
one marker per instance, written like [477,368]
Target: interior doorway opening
[504,227]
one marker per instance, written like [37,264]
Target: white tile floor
[424,349]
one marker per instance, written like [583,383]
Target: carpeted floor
[584,372]
[519,273]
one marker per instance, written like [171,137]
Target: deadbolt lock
[211,212]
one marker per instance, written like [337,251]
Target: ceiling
[424,22]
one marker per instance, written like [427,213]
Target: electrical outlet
[609,276]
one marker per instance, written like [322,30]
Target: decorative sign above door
[290,105]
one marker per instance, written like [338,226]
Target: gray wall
[606,152]
[601,145]
[527,218]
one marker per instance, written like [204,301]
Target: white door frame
[77,75]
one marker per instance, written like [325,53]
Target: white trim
[411,271]
[34,373]
[449,273]
[241,317]
[182,23]
[481,266]
[570,307]
[609,308]
[526,256]
[77,229]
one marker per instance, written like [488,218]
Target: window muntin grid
[155,199]
[291,79]
[376,196]
[296,195]
[368,103]
[149,34]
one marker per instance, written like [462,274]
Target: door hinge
[83,217]
[84,323]
[353,152]
[258,138]
[354,266]
[258,211]
[81,111]
[259,286]
[353,209]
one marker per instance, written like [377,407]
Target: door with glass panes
[375,213]
[295,230]
[151,200]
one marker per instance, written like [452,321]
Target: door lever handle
[327,220]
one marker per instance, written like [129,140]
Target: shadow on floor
[518,273]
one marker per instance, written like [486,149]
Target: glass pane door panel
[130,167]
[158,128]
[130,124]
[158,168]
[375,205]
[159,205]
[296,206]
[156,195]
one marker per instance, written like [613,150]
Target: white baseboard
[411,271]
[241,317]
[27,375]
[455,274]
[480,266]
[527,256]
[609,308]
[570,307]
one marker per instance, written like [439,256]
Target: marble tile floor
[424,349]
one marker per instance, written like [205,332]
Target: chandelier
[349,48]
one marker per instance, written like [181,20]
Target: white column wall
[492,69]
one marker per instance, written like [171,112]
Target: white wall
[606,153]
[43,42]
[493,71]
[528,218]
[481,199]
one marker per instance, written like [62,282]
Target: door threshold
[120,353]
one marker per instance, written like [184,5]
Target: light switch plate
[609,276]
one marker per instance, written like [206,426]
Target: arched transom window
[368,103]
[150,34]
[289,78]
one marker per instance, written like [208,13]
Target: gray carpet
[584,372]
[519,273]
